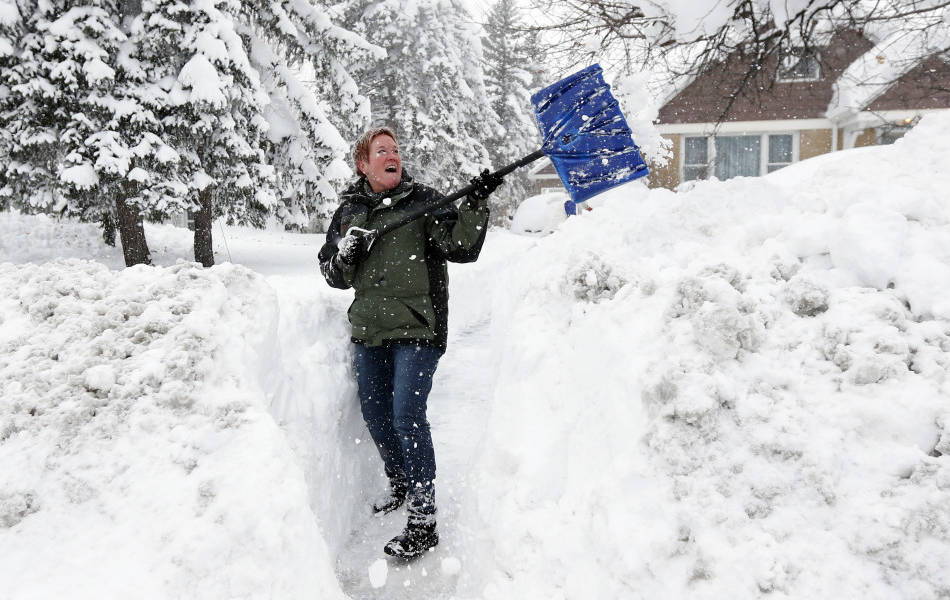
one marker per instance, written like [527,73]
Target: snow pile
[737,391]
[39,237]
[139,455]
[540,214]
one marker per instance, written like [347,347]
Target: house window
[737,155]
[889,135]
[695,158]
[798,64]
[780,152]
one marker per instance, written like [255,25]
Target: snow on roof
[542,169]
[874,72]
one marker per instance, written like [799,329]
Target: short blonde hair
[361,148]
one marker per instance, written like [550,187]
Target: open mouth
[391,169]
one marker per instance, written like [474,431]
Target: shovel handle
[465,191]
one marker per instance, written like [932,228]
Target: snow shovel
[584,134]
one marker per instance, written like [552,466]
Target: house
[544,177]
[845,93]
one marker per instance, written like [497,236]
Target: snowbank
[139,455]
[737,391]
[38,238]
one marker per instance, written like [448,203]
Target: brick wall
[925,86]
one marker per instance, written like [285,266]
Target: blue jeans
[394,384]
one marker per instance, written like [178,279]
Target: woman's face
[383,168]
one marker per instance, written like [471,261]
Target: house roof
[856,72]
[542,169]
[876,71]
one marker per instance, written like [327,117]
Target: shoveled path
[457,413]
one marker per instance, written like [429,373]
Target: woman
[399,314]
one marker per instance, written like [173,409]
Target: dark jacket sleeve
[459,233]
[328,266]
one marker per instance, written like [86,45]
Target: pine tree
[213,116]
[11,34]
[29,147]
[305,62]
[429,88]
[511,74]
[120,109]
[63,157]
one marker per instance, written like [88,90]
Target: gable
[542,169]
[925,86]
[763,98]
[889,76]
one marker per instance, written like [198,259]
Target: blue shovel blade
[585,134]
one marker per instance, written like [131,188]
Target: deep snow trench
[315,401]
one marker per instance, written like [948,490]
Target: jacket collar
[360,191]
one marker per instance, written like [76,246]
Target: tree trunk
[203,250]
[132,233]
[108,229]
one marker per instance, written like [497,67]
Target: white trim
[796,147]
[802,80]
[861,118]
[735,127]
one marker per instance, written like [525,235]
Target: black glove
[351,249]
[485,184]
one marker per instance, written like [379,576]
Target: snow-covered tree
[119,109]
[251,140]
[510,73]
[11,34]
[213,113]
[65,155]
[29,149]
[305,62]
[430,87]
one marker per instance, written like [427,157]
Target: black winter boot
[413,541]
[395,499]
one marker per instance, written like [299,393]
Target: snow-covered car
[541,214]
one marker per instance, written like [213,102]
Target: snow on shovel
[584,134]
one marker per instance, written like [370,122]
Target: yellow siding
[866,138]
[668,176]
[814,142]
